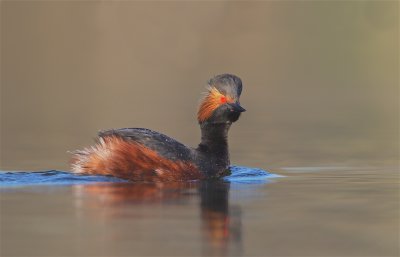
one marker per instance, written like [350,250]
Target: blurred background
[320,77]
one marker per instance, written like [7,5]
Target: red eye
[223,99]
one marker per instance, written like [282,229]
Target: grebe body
[140,154]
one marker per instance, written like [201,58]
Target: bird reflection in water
[220,222]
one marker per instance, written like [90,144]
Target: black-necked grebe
[139,154]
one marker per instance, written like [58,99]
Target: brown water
[322,98]
[315,212]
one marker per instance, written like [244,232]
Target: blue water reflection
[240,175]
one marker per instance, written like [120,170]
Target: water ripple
[241,175]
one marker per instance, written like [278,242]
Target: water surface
[308,212]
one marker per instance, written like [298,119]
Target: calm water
[320,211]
[322,98]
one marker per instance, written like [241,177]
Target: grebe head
[221,102]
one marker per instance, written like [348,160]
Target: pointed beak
[237,108]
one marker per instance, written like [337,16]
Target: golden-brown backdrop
[320,77]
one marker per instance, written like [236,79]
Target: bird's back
[137,154]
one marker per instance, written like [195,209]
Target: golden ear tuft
[210,102]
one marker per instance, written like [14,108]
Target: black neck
[214,137]
[212,153]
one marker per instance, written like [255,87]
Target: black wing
[162,144]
